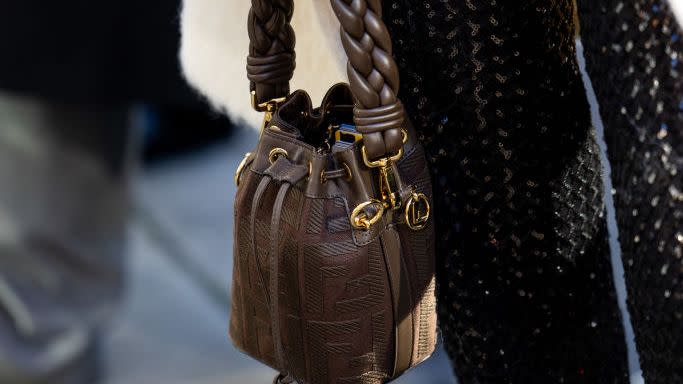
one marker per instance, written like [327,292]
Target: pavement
[172,328]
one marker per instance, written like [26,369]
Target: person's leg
[639,87]
[63,213]
[525,285]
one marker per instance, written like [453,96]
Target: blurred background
[116,201]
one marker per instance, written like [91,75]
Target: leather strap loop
[272,70]
[372,72]
[275,274]
[402,304]
[379,119]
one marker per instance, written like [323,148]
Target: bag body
[333,278]
[334,298]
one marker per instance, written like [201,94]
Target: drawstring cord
[271,294]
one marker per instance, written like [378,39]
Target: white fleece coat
[215,44]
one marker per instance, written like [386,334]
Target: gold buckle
[417,211]
[268,108]
[359,218]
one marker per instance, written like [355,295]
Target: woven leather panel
[417,246]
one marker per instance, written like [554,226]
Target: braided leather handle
[271,60]
[372,71]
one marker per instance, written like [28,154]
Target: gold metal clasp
[268,108]
[417,211]
[387,184]
[387,187]
[359,216]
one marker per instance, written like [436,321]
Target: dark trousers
[63,213]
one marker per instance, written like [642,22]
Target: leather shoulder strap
[372,70]
[271,60]
[373,75]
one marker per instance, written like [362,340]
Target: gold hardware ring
[359,218]
[277,152]
[240,168]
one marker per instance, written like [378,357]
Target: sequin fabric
[525,285]
[634,54]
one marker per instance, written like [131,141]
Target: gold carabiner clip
[387,185]
[268,108]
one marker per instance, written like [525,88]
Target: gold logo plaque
[417,211]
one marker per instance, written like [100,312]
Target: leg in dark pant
[524,277]
[63,213]
[639,86]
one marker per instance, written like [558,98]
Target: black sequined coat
[525,280]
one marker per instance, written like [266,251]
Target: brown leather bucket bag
[333,278]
